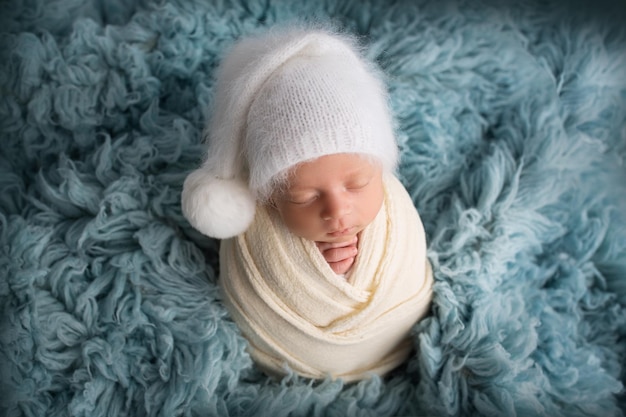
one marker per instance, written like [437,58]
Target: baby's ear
[219,208]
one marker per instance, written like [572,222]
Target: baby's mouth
[341,232]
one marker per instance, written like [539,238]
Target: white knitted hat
[281,99]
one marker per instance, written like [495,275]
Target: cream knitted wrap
[294,310]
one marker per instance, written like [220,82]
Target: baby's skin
[329,201]
[340,256]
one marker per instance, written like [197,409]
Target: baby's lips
[341,232]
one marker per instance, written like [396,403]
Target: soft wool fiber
[510,118]
[298,314]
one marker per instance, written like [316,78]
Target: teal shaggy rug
[511,119]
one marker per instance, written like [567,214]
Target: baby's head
[300,122]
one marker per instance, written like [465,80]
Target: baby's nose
[336,207]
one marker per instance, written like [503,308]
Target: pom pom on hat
[216,207]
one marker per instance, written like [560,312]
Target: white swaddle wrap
[294,310]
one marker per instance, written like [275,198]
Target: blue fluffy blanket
[511,118]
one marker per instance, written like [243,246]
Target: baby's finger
[331,245]
[339,254]
[341,267]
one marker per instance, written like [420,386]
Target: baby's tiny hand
[340,256]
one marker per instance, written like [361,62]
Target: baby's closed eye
[302,199]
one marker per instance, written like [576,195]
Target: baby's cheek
[301,224]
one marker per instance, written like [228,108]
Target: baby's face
[332,198]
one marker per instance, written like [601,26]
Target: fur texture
[217,207]
[511,123]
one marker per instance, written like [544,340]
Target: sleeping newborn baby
[323,258]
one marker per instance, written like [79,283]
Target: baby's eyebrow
[299,189]
[298,193]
